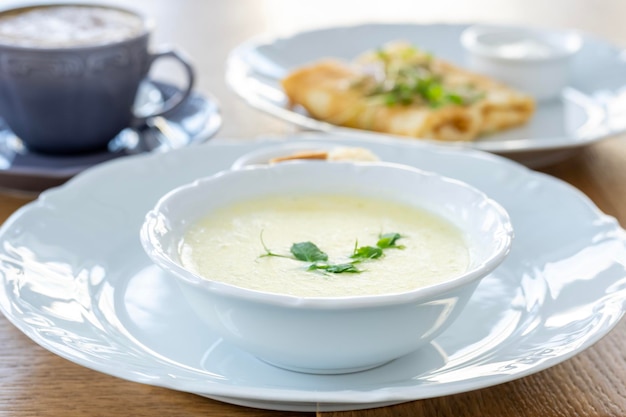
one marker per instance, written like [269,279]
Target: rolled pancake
[328,90]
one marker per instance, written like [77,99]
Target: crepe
[402,90]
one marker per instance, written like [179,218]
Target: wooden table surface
[35,382]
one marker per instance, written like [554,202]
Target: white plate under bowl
[593,107]
[74,278]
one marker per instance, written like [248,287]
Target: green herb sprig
[310,252]
[409,76]
[388,240]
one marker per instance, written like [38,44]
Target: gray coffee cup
[75,98]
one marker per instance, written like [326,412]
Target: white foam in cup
[70,75]
[65,26]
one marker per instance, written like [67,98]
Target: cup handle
[176,100]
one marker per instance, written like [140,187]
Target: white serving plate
[593,107]
[75,279]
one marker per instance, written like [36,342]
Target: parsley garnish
[269,252]
[335,268]
[367,252]
[310,252]
[388,240]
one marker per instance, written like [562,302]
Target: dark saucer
[196,120]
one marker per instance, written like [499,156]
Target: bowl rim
[470,41]
[504,239]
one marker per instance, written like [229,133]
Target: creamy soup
[229,246]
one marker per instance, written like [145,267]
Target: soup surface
[232,244]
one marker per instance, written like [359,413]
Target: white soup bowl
[329,334]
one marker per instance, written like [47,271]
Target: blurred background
[228,23]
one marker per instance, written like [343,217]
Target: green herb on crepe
[408,76]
